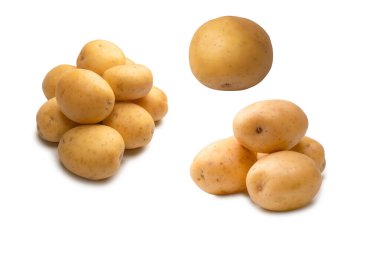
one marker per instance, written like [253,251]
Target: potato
[133,122]
[130,81]
[261,155]
[230,53]
[312,149]
[84,97]
[51,122]
[52,78]
[100,55]
[155,102]
[283,181]
[221,167]
[270,125]
[91,151]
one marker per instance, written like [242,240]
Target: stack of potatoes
[96,110]
[269,156]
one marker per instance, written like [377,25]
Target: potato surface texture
[155,102]
[52,78]
[312,149]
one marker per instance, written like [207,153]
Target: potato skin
[155,102]
[312,149]
[284,180]
[270,125]
[52,78]
[133,122]
[221,167]
[230,53]
[84,97]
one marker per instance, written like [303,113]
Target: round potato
[52,78]
[84,97]
[92,151]
[270,125]
[51,122]
[130,81]
[155,102]
[312,149]
[100,55]
[230,53]
[133,122]
[221,167]
[283,181]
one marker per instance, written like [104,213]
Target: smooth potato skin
[52,78]
[91,151]
[230,53]
[312,149]
[283,181]
[221,167]
[155,102]
[270,125]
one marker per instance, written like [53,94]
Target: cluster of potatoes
[269,156]
[98,108]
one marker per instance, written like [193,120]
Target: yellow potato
[270,125]
[261,155]
[130,81]
[51,122]
[230,53]
[84,97]
[312,149]
[52,78]
[155,102]
[221,167]
[283,181]
[133,122]
[92,151]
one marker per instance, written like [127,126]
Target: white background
[326,60]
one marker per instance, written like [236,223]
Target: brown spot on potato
[259,130]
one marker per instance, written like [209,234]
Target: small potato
[156,103]
[51,122]
[221,167]
[283,181]
[133,122]
[92,151]
[84,97]
[130,81]
[312,149]
[52,78]
[270,125]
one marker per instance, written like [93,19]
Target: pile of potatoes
[98,108]
[269,156]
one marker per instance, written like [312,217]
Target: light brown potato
[283,181]
[270,125]
[221,167]
[128,82]
[133,122]
[100,55]
[52,78]
[155,102]
[84,96]
[230,53]
[312,149]
[91,151]
[51,122]
[261,155]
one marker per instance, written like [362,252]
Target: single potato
[270,125]
[230,53]
[284,180]
[91,151]
[221,167]
[52,78]
[312,149]
[51,122]
[155,102]
[84,96]
[133,122]
[130,81]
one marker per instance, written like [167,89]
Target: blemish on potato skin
[259,130]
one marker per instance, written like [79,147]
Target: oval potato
[52,78]
[155,102]
[312,149]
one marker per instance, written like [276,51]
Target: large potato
[92,151]
[283,181]
[52,78]
[51,122]
[84,96]
[221,167]
[133,122]
[230,53]
[270,125]
[312,149]
[155,102]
